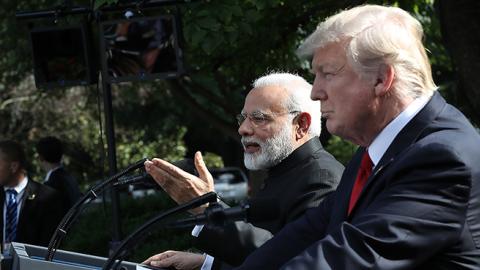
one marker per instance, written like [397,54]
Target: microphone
[146,179]
[74,212]
[135,237]
[256,210]
[143,178]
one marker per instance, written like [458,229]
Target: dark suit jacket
[66,185]
[420,209]
[40,214]
[297,183]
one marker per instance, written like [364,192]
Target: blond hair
[375,36]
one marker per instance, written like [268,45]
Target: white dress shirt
[50,172]
[384,139]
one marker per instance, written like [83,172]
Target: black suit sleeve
[233,243]
[420,211]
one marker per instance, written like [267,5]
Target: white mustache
[246,140]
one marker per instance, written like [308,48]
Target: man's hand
[178,259]
[180,185]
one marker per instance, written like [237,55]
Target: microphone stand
[76,209]
[141,232]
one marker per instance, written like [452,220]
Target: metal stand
[66,10]
[112,160]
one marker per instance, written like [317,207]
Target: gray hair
[376,36]
[298,90]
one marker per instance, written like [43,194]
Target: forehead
[265,99]
[331,55]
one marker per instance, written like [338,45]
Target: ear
[385,76]
[304,120]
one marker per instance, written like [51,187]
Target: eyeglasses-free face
[260,119]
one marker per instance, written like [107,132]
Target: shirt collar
[20,187]
[51,171]
[383,140]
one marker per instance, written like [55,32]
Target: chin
[332,128]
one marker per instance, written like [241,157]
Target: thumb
[203,172]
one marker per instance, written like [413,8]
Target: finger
[203,172]
[149,260]
[159,257]
[166,262]
[159,175]
[171,169]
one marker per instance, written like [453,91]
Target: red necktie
[362,176]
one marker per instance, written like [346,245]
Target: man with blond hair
[279,125]
[409,198]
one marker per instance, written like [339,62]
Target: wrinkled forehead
[269,99]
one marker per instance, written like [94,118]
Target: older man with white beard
[279,125]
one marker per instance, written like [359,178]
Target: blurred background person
[31,211]
[50,152]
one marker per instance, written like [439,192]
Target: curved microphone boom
[256,210]
[141,232]
[146,179]
[143,178]
[75,211]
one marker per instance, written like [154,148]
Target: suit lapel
[407,136]
[27,206]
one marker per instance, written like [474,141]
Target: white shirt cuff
[208,263]
[197,230]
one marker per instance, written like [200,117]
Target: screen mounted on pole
[140,49]
[61,56]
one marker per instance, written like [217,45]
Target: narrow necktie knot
[364,172]
[12,194]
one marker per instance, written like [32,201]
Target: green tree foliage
[226,44]
[342,150]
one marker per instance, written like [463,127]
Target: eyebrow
[322,68]
[259,113]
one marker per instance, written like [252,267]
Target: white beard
[272,151]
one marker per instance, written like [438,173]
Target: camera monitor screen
[60,56]
[140,49]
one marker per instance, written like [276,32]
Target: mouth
[251,147]
[326,114]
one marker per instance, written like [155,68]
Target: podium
[30,257]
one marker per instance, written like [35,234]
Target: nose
[245,129]
[318,90]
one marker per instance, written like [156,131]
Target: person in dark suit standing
[31,211]
[279,125]
[409,198]
[50,152]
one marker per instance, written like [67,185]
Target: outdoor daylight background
[226,45]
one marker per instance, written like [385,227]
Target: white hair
[376,36]
[298,90]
